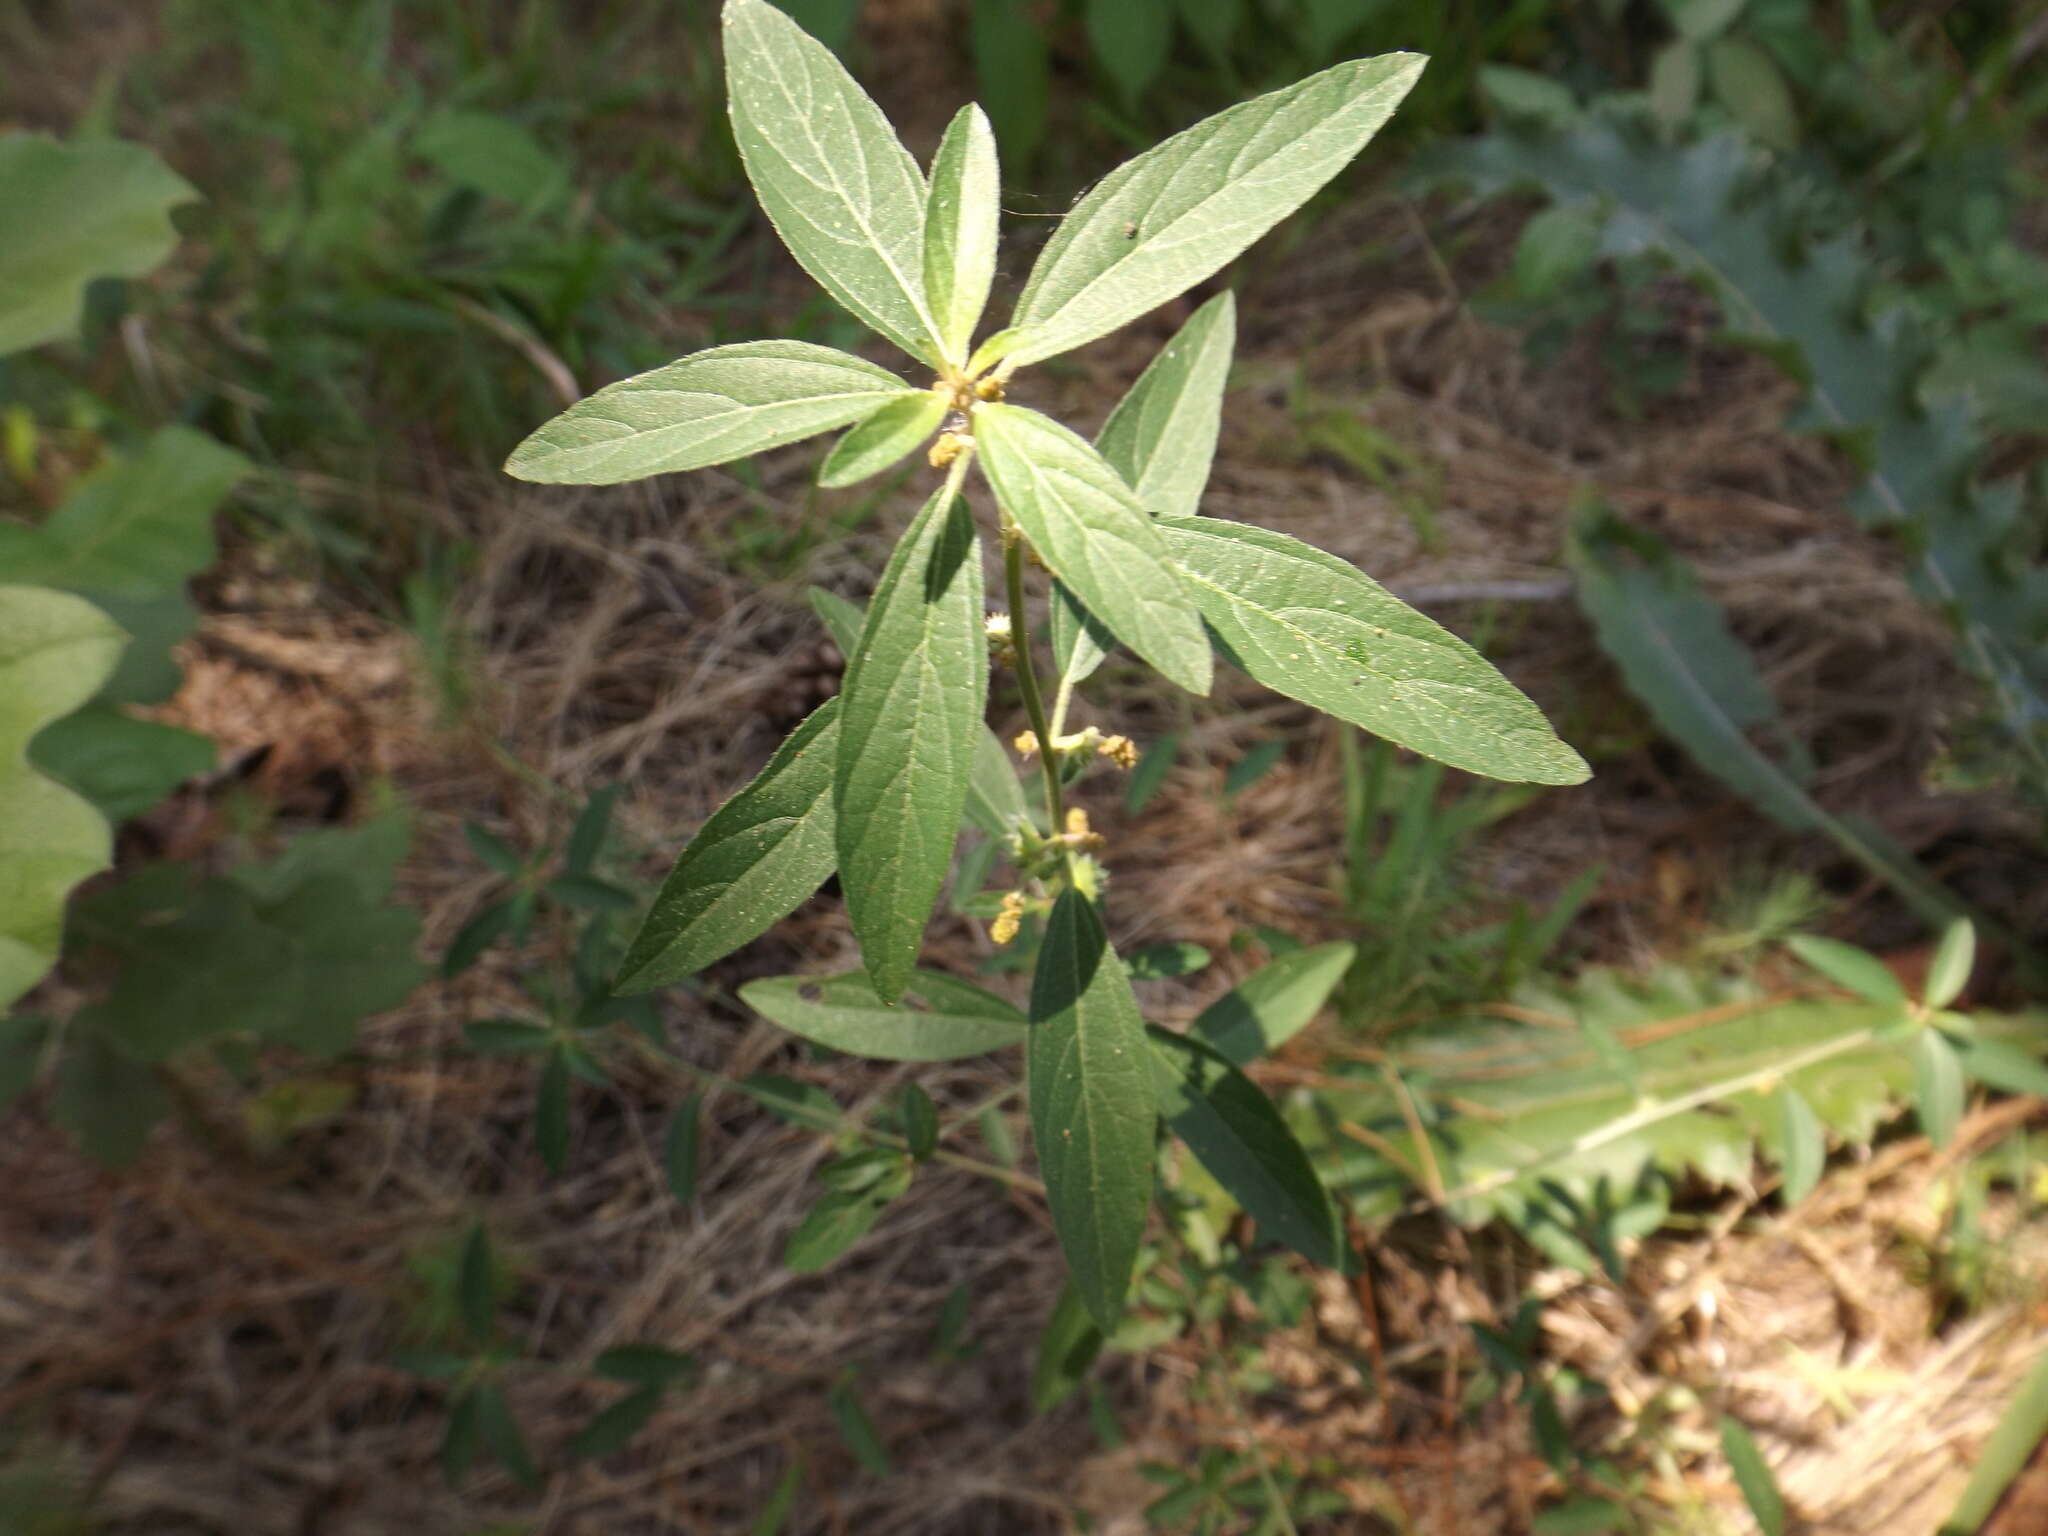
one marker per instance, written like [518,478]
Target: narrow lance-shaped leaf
[914,696]
[1308,625]
[55,652]
[1937,1086]
[839,187]
[1802,1144]
[1162,222]
[1089,529]
[960,222]
[760,855]
[939,1019]
[1240,1138]
[1080,641]
[705,409]
[1273,1004]
[1091,1092]
[883,439]
[1162,435]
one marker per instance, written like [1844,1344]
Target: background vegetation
[1687,354]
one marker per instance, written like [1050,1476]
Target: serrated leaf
[1090,531]
[960,223]
[1308,625]
[760,856]
[76,212]
[1854,970]
[1954,958]
[1091,1103]
[705,409]
[939,1018]
[1273,1004]
[834,180]
[613,1429]
[1802,1145]
[1937,1086]
[1131,38]
[1676,654]
[1753,1477]
[1162,222]
[1067,1346]
[1241,1140]
[679,1150]
[883,439]
[55,652]
[1162,435]
[910,713]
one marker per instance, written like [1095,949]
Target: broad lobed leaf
[911,711]
[1165,220]
[1089,1075]
[1308,625]
[760,856]
[1089,529]
[839,187]
[705,409]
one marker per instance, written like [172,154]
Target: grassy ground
[212,1342]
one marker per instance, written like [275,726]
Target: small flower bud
[946,447]
[990,388]
[1008,920]
[1027,743]
[1119,750]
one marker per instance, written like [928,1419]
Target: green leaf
[459,1438]
[139,525]
[920,1122]
[796,1102]
[590,894]
[910,713]
[1013,70]
[1162,222]
[1676,654]
[1675,84]
[995,796]
[1753,1477]
[834,1224]
[960,220]
[1701,21]
[1954,958]
[1556,245]
[840,189]
[705,409]
[1308,625]
[1150,775]
[1091,1103]
[2008,1068]
[586,837]
[476,1286]
[1132,39]
[2021,1431]
[840,618]
[1273,1004]
[1253,766]
[1214,23]
[1066,1349]
[774,1513]
[1090,531]
[829,21]
[938,1019]
[1802,1145]
[493,154]
[757,858]
[1937,1086]
[497,855]
[882,439]
[477,935]
[107,1101]
[857,1429]
[1162,435]
[1080,642]
[551,1112]
[55,652]
[1749,85]
[76,212]
[612,1430]
[1524,94]
[645,1365]
[1158,962]
[1852,969]
[506,1037]
[23,1038]
[1241,1140]
[679,1150]
[500,1435]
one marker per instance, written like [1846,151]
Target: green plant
[877,783]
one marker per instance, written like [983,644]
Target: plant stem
[1027,674]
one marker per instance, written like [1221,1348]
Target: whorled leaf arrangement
[877,784]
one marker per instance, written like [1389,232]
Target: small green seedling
[876,784]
